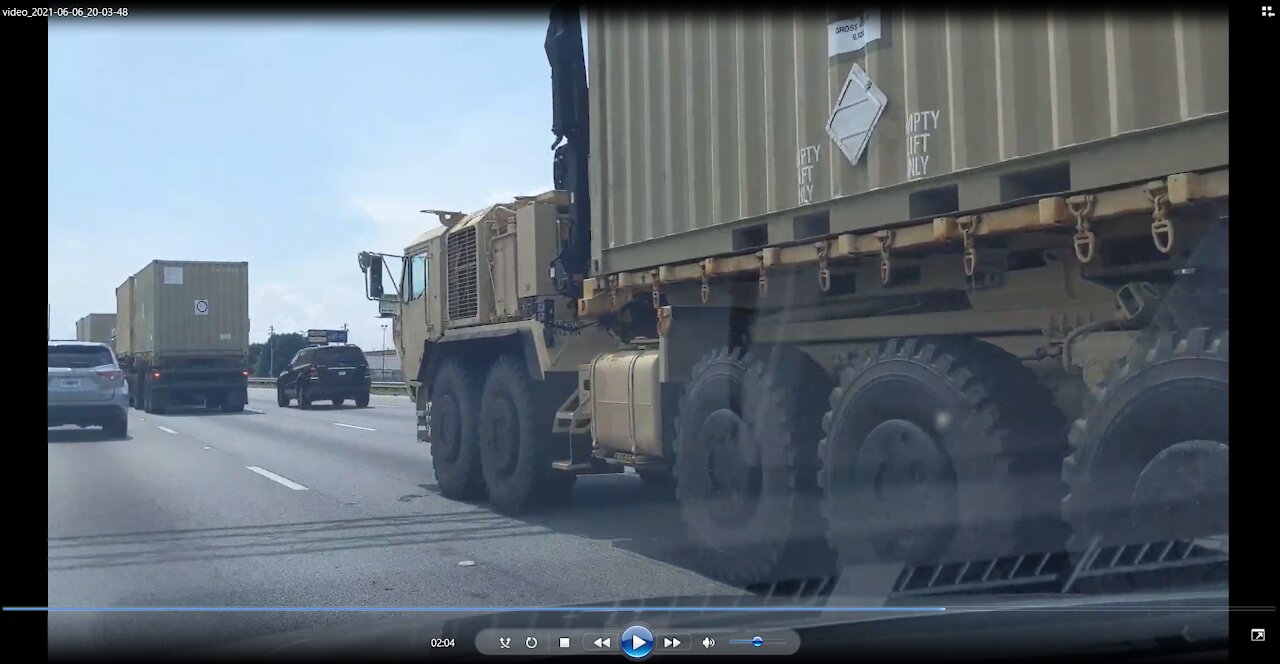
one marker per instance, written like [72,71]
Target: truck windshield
[78,357]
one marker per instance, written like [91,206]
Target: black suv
[318,373]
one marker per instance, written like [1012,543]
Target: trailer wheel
[155,402]
[1148,460]
[745,466]
[515,442]
[940,449]
[455,456]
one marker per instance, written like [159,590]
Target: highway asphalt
[332,507]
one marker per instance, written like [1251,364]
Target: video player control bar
[637,642]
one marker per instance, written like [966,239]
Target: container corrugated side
[124,317]
[699,120]
[189,308]
[96,327]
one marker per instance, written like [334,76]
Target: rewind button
[599,641]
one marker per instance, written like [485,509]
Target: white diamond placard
[858,108]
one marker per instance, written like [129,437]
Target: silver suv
[87,387]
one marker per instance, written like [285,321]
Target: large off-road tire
[455,452]
[1148,459]
[940,449]
[745,466]
[516,443]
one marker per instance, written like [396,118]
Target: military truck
[182,335]
[906,288]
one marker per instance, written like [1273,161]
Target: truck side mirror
[374,274]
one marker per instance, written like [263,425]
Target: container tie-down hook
[886,241]
[824,272]
[1161,225]
[967,225]
[657,294]
[1081,207]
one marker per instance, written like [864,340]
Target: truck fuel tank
[626,411]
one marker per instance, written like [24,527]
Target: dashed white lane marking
[352,426]
[167,430]
[276,478]
[253,410]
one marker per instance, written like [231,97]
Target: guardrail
[377,386]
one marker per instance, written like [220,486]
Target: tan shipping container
[96,327]
[184,309]
[709,130]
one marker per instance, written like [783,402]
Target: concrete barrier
[377,387]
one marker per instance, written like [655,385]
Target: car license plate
[70,383]
[342,373]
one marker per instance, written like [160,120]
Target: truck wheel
[155,403]
[455,453]
[282,399]
[515,441]
[745,466]
[1148,460]
[940,449]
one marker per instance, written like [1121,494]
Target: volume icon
[708,642]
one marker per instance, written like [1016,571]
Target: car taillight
[111,375]
[244,373]
[155,374]
[312,372]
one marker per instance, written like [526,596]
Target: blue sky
[290,145]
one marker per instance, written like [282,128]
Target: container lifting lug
[1161,225]
[967,226]
[657,294]
[706,290]
[1084,240]
[762,281]
[824,273]
[886,241]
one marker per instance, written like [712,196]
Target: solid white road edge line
[352,426]
[276,478]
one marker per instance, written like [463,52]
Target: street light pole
[271,351]
[384,351]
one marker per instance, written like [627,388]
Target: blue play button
[637,642]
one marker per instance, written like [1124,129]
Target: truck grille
[462,272]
